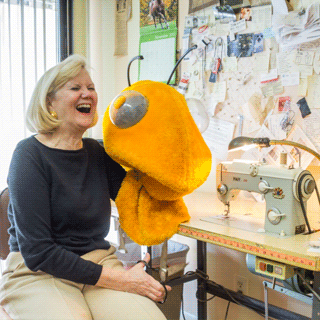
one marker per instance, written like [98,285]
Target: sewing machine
[286,191]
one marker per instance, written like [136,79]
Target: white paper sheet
[285,62]
[274,126]
[218,136]
[293,29]
[230,64]
[261,17]
[279,7]
[312,127]
[261,62]
[271,76]
[219,90]
[313,93]
[290,79]
[237,26]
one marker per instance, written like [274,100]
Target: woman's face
[76,103]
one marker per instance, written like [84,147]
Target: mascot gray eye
[128,108]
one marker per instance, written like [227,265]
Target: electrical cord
[225,318]
[182,307]
[205,277]
[128,68]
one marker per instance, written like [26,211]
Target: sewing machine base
[244,222]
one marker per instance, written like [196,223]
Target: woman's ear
[48,103]
[50,109]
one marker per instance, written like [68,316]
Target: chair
[4,236]
[4,224]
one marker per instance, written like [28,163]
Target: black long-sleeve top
[60,207]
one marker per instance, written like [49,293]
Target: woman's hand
[134,280]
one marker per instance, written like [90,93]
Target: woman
[60,187]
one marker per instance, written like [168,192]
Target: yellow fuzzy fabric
[168,158]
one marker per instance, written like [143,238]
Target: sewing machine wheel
[296,284]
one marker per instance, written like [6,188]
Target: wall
[109,74]
[80,27]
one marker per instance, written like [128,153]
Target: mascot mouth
[84,108]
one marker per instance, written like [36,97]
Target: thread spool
[283,158]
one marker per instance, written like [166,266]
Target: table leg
[202,293]
[316,302]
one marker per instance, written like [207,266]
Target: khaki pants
[37,295]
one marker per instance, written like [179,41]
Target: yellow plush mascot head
[149,130]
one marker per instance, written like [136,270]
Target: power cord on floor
[205,277]
[182,306]
[225,318]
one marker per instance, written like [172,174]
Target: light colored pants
[37,295]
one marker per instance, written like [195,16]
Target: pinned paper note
[292,29]
[284,103]
[304,57]
[268,77]
[313,94]
[279,7]
[270,89]
[302,89]
[261,62]
[290,79]
[218,136]
[305,71]
[230,64]
[316,62]
[261,17]
[237,26]
[312,127]
[285,62]
[219,90]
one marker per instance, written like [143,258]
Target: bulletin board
[256,76]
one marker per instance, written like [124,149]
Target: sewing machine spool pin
[227,209]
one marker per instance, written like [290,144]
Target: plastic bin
[177,253]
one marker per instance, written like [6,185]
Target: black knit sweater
[60,206]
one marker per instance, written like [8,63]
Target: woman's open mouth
[84,108]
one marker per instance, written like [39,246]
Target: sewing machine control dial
[264,186]
[222,189]
[306,183]
[274,215]
[309,186]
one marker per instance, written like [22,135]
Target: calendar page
[159,58]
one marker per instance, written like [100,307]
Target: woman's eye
[93,89]
[75,88]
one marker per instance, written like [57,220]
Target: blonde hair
[38,117]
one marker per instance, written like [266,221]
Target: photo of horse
[157,15]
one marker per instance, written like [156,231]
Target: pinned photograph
[242,46]
[258,42]
[224,14]
[246,13]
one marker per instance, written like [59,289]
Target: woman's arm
[134,280]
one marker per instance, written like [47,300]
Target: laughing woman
[60,266]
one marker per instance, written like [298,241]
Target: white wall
[109,74]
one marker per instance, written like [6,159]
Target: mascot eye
[128,108]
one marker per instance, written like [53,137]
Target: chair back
[4,224]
